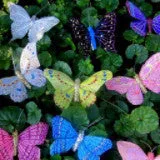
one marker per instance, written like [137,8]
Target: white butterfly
[28,75]
[22,23]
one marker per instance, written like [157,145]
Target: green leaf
[63,67]
[77,115]
[33,113]
[112,62]
[68,158]
[155,135]
[130,35]
[5,2]
[109,5]
[147,8]
[12,118]
[45,59]
[124,126]
[152,43]
[44,43]
[85,67]
[137,50]
[145,119]
[155,1]
[89,16]
[82,3]
[56,157]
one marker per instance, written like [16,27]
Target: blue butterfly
[103,34]
[66,137]
[29,73]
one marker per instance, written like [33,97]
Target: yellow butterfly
[66,89]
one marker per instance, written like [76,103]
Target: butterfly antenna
[146,145]
[114,106]
[155,148]
[95,122]
[19,118]
[43,8]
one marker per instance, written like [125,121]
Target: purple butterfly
[140,24]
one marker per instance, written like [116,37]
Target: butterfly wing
[63,98]
[156,24]
[41,26]
[29,59]
[19,92]
[157,158]
[150,73]
[105,32]
[14,87]
[35,77]
[87,98]
[128,86]
[80,34]
[130,151]
[140,24]
[6,146]
[92,147]
[29,138]
[94,82]
[64,135]
[21,21]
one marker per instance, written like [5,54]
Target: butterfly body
[92,38]
[24,144]
[22,23]
[78,141]
[67,90]
[22,79]
[131,151]
[103,34]
[148,78]
[66,137]
[141,23]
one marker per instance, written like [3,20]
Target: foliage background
[57,50]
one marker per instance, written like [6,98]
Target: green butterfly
[66,89]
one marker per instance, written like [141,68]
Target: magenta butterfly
[25,143]
[140,24]
[131,151]
[149,77]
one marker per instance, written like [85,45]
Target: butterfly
[66,137]
[131,151]
[66,89]
[104,34]
[149,77]
[25,143]
[29,73]
[140,24]
[22,23]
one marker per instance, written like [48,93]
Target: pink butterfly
[131,151]
[149,77]
[25,143]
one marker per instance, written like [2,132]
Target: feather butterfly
[28,75]
[22,23]
[140,24]
[104,34]
[25,143]
[149,77]
[66,137]
[66,89]
[131,151]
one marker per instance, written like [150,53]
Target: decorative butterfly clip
[28,75]
[140,24]
[131,151]
[149,77]
[22,23]
[66,137]
[104,34]
[66,89]
[25,143]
